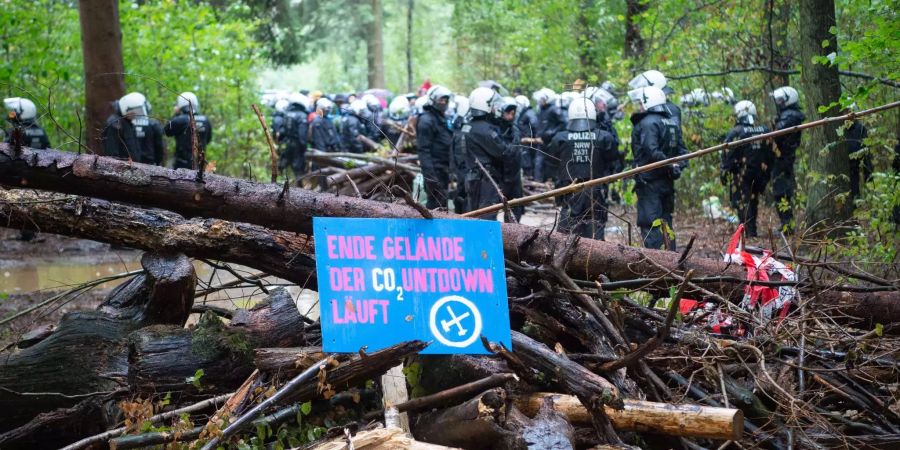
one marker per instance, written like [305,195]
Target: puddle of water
[52,274]
[58,274]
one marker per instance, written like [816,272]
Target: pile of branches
[600,354]
[366,175]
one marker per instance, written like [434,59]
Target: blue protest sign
[385,281]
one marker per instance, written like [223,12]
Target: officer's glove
[676,171]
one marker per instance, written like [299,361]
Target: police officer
[433,144]
[512,158]
[293,134]
[527,122]
[657,79]
[130,134]
[748,165]
[484,149]
[21,114]
[859,157]
[786,101]
[322,133]
[585,152]
[549,123]
[374,122]
[606,105]
[654,138]
[354,126]
[180,127]
[458,155]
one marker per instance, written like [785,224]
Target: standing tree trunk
[829,162]
[409,29]
[634,43]
[101,45]
[587,39]
[375,48]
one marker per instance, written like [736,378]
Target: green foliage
[168,47]
[413,374]
[195,380]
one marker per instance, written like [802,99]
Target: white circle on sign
[454,325]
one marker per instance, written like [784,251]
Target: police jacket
[654,138]
[180,127]
[434,140]
[788,143]
[550,122]
[140,139]
[295,127]
[33,136]
[583,155]
[351,128]
[753,160]
[323,135]
[484,144]
[528,123]
[512,156]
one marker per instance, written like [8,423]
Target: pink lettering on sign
[346,279]
[402,248]
[351,247]
[416,279]
[360,311]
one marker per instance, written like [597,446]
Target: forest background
[228,52]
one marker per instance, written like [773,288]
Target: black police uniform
[749,166]
[483,144]
[584,155]
[32,135]
[180,127]
[783,169]
[323,135]
[434,140]
[549,123]
[353,126]
[292,137]
[655,137]
[512,164]
[140,139]
[458,166]
[528,125]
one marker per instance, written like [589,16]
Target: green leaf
[825,43]
[306,408]
[879,329]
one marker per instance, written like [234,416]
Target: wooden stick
[646,168]
[638,415]
[272,154]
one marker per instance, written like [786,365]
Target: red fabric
[687,305]
[424,87]
[758,294]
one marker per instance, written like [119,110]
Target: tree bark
[829,161]
[88,353]
[104,71]
[634,42]
[293,209]
[375,48]
[639,415]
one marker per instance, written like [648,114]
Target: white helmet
[485,101]
[603,99]
[324,104]
[462,105]
[421,102]
[543,96]
[509,102]
[582,114]
[745,110]
[726,95]
[785,96]
[649,98]
[186,99]
[565,99]
[372,102]
[359,107]
[522,102]
[20,109]
[399,107]
[298,99]
[437,92]
[608,86]
[281,104]
[653,78]
[134,102]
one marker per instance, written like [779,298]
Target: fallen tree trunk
[638,415]
[293,209]
[280,253]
